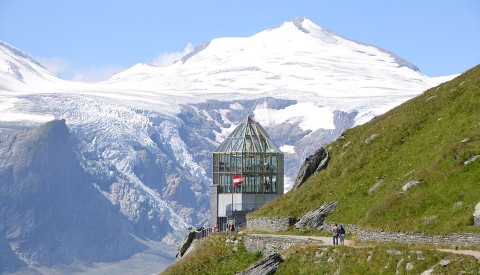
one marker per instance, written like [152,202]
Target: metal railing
[203,232]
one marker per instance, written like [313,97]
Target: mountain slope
[297,56]
[427,140]
[145,136]
[51,213]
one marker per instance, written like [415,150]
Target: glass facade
[249,152]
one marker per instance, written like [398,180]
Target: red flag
[238,179]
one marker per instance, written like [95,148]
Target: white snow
[236,106]
[298,61]
[311,117]
[9,117]
[289,149]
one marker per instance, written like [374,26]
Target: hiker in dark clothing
[341,234]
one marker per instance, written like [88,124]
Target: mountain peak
[20,66]
[309,28]
[304,24]
[4,46]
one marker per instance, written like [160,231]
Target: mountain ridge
[145,138]
[50,210]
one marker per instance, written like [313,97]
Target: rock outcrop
[187,243]
[471,159]
[266,266]
[50,210]
[311,165]
[372,137]
[315,218]
[374,188]
[476,215]
[410,184]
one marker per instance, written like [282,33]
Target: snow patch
[310,116]
[289,149]
[9,117]
[236,106]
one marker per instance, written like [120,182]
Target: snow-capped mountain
[297,56]
[146,135]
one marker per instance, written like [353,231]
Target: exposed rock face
[314,163]
[315,218]
[9,261]
[476,215]
[266,266]
[50,211]
[186,243]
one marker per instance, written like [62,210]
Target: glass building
[251,157]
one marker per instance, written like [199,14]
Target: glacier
[146,135]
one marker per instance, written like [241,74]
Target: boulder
[476,215]
[372,137]
[410,184]
[314,163]
[315,218]
[471,159]
[375,187]
[266,266]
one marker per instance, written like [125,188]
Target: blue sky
[92,39]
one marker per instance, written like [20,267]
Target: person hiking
[335,234]
[341,234]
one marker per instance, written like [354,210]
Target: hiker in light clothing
[335,235]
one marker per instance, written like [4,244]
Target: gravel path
[474,253]
[329,241]
[325,240]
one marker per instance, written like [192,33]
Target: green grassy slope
[216,255]
[386,259]
[427,139]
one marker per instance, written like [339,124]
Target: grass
[217,255]
[427,139]
[381,259]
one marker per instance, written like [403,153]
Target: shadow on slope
[51,213]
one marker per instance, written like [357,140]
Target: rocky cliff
[49,208]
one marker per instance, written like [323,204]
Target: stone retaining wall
[419,238]
[269,224]
[460,239]
[270,244]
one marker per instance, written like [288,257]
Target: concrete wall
[225,202]
[213,204]
[241,202]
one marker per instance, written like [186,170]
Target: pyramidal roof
[249,136]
